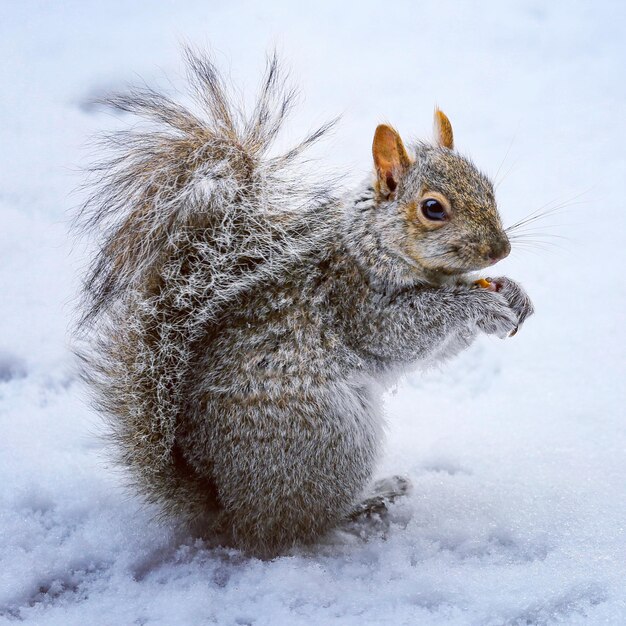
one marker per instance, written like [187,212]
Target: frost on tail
[189,211]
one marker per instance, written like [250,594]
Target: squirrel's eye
[433,210]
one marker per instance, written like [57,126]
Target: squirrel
[241,318]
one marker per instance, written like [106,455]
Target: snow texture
[517,449]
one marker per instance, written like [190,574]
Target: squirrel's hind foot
[383,492]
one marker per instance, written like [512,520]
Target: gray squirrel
[240,320]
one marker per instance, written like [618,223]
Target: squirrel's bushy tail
[190,211]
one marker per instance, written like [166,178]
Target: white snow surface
[517,449]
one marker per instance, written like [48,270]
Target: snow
[517,449]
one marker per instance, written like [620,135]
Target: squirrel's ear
[390,158]
[443,130]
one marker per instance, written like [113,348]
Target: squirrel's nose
[499,251]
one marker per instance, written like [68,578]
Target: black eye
[433,210]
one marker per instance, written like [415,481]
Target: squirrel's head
[444,209]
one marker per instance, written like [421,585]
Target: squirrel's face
[445,210]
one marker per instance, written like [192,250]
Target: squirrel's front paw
[516,297]
[496,316]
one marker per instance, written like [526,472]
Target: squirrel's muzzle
[499,251]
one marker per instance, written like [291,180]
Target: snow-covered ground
[517,450]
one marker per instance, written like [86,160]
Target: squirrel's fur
[239,318]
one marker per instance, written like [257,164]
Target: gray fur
[239,319]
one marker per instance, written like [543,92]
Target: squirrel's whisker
[506,174]
[529,234]
[506,154]
[541,214]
